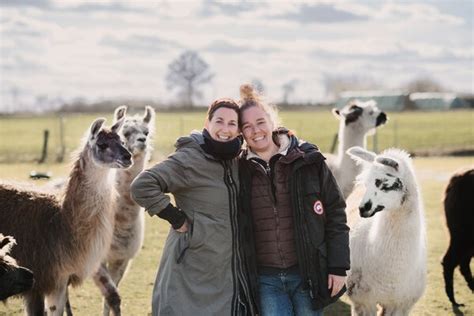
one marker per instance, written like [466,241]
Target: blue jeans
[282,294]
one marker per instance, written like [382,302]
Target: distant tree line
[189,73]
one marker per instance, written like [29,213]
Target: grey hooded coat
[200,271]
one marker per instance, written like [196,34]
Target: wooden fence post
[44,152]
[62,145]
[333,145]
[375,143]
[395,134]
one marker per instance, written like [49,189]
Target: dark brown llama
[13,279]
[459,211]
[64,240]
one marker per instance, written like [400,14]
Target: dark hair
[222,103]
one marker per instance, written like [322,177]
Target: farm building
[397,101]
[386,100]
[437,101]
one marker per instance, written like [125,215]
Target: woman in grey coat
[201,269]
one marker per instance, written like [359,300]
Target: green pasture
[21,138]
[136,287]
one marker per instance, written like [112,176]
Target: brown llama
[64,240]
[459,211]
[13,278]
[129,216]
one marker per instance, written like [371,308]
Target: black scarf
[221,150]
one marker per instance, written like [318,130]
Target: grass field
[136,288]
[21,138]
[21,141]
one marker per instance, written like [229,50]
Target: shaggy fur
[129,216]
[357,120]
[459,211]
[13,278]
[387,239]
[64,240]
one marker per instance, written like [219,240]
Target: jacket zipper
[268,172]
[237,262]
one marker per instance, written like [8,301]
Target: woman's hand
[184,227]
[336,282]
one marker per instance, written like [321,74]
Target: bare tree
[288,89]
[186,73]
[423,84]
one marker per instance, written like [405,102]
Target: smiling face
[257,129]
[223,126]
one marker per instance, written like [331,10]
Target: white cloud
[109,48]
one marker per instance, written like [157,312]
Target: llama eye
[102,146]
[126,134]
[146,133]
[378,182]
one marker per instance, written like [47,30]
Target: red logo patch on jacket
[318,207]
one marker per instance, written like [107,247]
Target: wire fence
[22,138]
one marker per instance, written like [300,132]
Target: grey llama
[63,240]
[129,226]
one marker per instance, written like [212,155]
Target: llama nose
[141,139]
[365,208]
[381,119]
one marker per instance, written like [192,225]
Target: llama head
[365,116]
[137,130]
[13,279]
[106,146]
[383,177]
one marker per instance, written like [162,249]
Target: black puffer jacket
[321,232]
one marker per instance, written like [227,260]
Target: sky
[60,50]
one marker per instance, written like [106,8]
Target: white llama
[357,120]
[64,240]
[387,239]
[129,226]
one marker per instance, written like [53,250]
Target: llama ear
[336,113]
[96,126]
[120,112]
[359,154]
[117,125]
[388,162]
[149,114]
